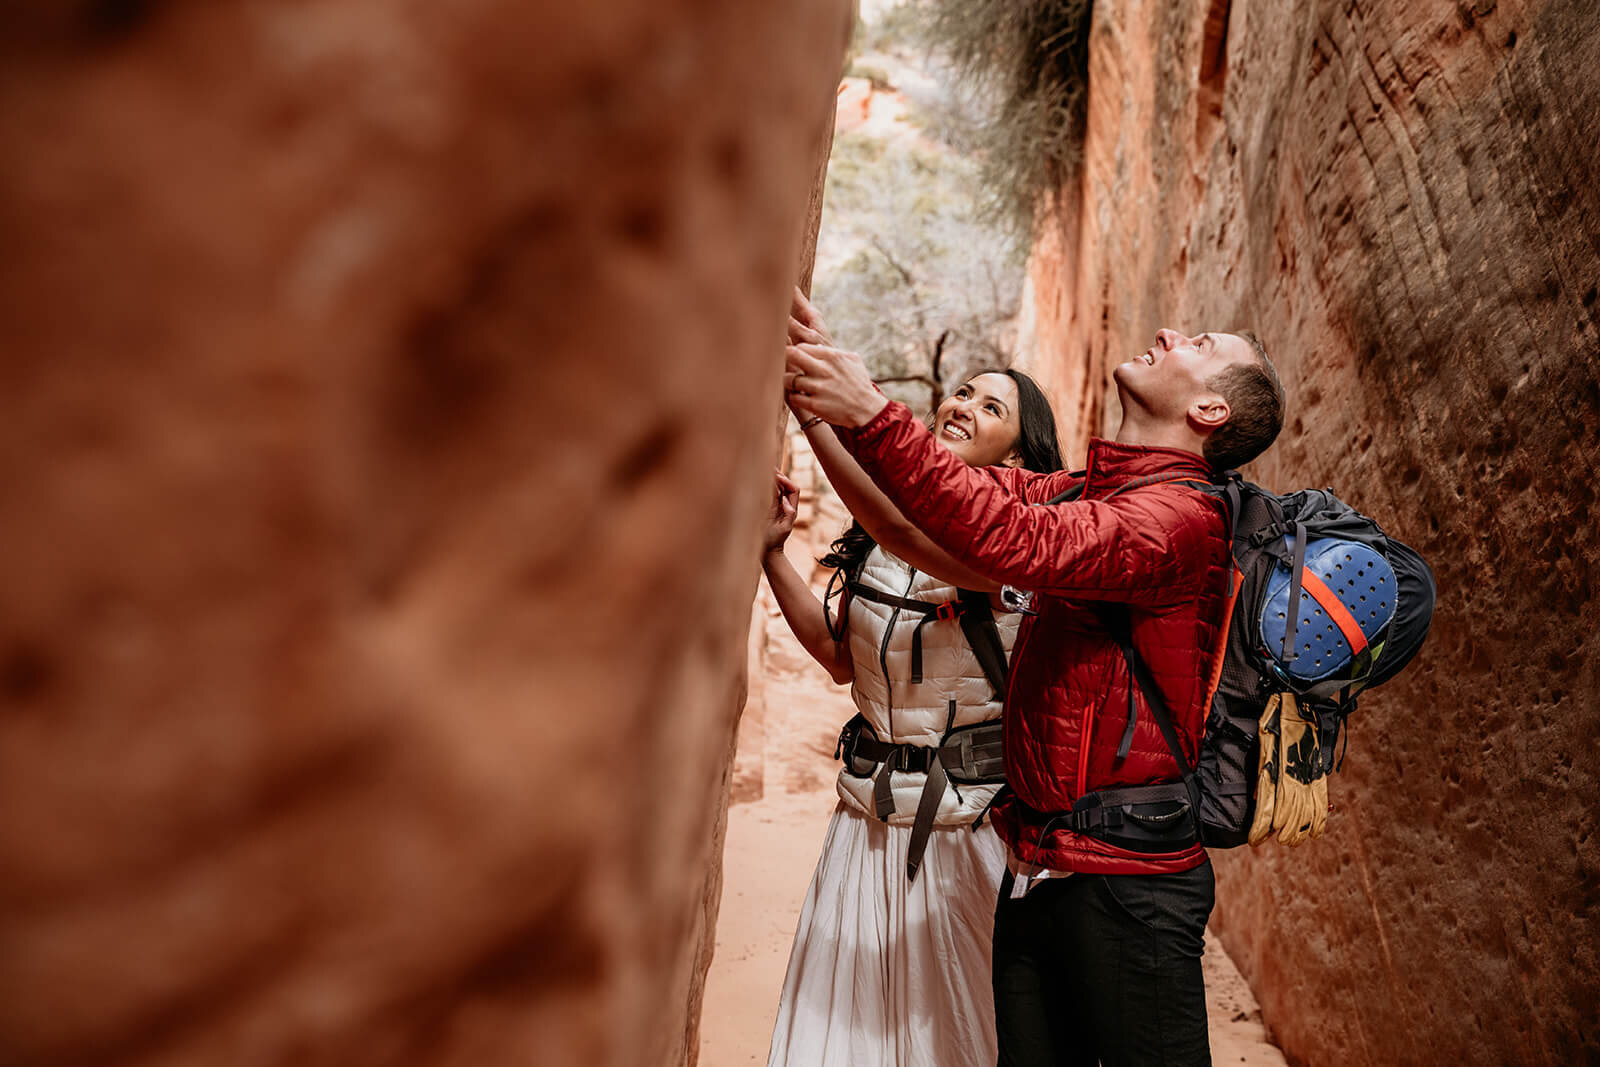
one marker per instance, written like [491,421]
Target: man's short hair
[1255,409]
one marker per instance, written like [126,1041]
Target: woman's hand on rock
[781,516]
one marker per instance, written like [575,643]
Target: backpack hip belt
[968,755]
[1152,819]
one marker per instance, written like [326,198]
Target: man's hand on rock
[805,328]
[801,334]
[805,322]
[830,383]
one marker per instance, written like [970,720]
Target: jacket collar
[1112,465]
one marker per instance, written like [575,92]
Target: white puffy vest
[900,711]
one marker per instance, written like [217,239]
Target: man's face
[1170,377]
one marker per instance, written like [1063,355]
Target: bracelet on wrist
[812,421]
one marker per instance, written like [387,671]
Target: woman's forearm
[804,614]
[880,518]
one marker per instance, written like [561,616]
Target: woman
[891,958]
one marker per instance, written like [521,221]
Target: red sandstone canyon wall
[1402,198]
[389,421]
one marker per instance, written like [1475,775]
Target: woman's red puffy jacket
[1161,549]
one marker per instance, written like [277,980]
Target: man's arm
[1139,547]
[1032,486]
[865,501]
[882,519]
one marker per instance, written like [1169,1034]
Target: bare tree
[911,273]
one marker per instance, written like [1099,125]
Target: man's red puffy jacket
[1161,549]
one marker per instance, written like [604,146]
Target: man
[1099,935]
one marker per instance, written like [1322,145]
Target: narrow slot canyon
[386,674]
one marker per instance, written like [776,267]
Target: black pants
[1104,969]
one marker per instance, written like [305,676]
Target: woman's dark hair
[1036,442]
[1036,439]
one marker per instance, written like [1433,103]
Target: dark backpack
[1362,602]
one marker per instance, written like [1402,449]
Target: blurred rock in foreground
[389,420]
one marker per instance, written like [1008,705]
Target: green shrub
[1028,59]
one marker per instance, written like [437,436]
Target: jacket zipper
[1083,752]
[1025,631]
[883,652]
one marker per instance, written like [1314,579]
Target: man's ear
[1208,413]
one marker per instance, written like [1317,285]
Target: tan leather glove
[1291,788]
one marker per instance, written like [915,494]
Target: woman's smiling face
[979,422]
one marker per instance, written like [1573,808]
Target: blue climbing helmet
[1362,600]
[1327,619]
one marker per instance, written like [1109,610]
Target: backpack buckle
[1017,600]
[950,609]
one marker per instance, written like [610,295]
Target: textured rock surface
[386,439]
[1402,198]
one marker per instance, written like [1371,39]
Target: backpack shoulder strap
[1070,493]
[1232,489]
[1157,479]
[1076,491]
[977,622]
[1114,617]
